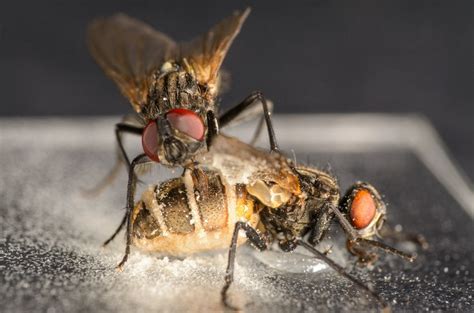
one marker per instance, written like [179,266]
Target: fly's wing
[129,51]
[241,163]
[206,53]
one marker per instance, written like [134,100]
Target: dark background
[308,56]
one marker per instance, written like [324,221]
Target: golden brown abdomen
[190,214]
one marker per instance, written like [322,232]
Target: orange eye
[362,209]
[188,122]
[150,141]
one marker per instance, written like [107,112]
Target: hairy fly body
[172,87]
[237,187]
[194,213]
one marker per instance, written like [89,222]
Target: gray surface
[50,256]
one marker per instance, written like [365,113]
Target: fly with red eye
[171,86]
[173,89]
[362,215]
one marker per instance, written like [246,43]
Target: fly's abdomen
[194,213]
[210,196]
[174,206]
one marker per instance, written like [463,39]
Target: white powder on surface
[50,235]
[51,245]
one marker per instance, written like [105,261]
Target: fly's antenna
[342,272]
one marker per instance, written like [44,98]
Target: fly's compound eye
[187,122]
[362,209]
[150,141]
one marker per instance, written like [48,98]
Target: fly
[236,187]
[171,86]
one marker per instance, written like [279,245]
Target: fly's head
[177,127]
[365,209]
[174,138]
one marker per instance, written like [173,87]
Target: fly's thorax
[177,111]
[175,87]
[318,187]
[287,222]
[295,217]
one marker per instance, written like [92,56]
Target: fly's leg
[342,272]
[121,128]
[240,108]
[258,130]
[117,231]
[131,187]
[323,221]
[364,257]
[213,127]
[255,239]
[384,247]
[396,235]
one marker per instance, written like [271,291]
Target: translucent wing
[206,52]
[241,163]
[129,51]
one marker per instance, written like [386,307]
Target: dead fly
[237,187]
[172,86]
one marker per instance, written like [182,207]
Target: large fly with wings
[171,86]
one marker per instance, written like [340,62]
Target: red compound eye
[150,141]
[188,122]
[363,209]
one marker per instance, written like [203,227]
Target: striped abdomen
[193,213]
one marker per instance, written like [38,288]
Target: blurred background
[311,56]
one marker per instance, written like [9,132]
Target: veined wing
[241,163]
[206,53]
[128,51]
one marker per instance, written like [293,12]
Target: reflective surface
[51,260]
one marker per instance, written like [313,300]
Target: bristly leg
[390,233]
[323,221]
[231,114]
[254,239]
[131,187]
[128,129]
[388,249]
[364,257]
[342,272]
[122,223]
[213,127]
